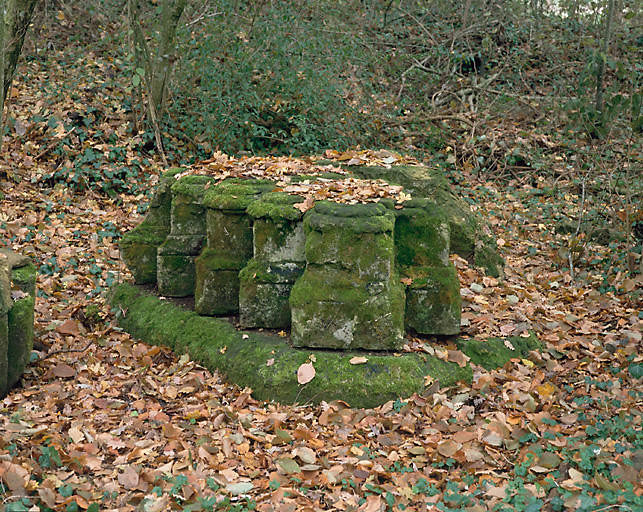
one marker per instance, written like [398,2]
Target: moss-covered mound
[268,364]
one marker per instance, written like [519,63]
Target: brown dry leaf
[128,478]
[308,203]
[15,477]
[306,455]
[358,360]
[546,390]
[373,503]
[448,448]
[458,357]
[63,371]
[305,373]
[69,327]
[47,496]
[76,435]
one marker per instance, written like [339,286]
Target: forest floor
[101,421]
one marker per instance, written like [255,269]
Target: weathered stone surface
[349,295]
[17,296]
[433,302]
[470,236]
[229,245]
[175,256]
[139,246]
[279,259]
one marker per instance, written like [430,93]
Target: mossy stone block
[421,236]
[236,194]
[349,295]
[468,231]
[433,302]
[138,251]
[264,293]
[139,246]
[20,322]
[229,244]
[4,348]
[278,233]
[229,232]
[217,283]
[17,298]
[176,275]
[188,216]
[333,308]
[358,238]
[279,259]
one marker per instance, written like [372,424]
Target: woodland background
[533,111]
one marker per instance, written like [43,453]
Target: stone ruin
[17,298]
[340,274]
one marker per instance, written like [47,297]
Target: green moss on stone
[193,185]
[433,302]
[20,333]
[332,308]
[421,237]
[264,293]
[264,304]
[230,233]
[466,228]
[495,352]
[138,246]
[138,251]
[277,206]
[357,243]
[24,278]
[217,283]
[216,344]
[176,275]
[4,347]
[236,194]
[361,218]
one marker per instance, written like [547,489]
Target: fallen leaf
[448,448]
[305,454]
[63,371]
[373,503]
[458,357]
[14,476]
[128,478]
[69,327]
[358,360]
[288,466]
[239,488]
[305,373]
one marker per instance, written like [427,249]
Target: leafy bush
[268,77]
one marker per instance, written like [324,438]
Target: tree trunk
[157,68]
[170,15]
[600,72]
[14,24]
[18,18]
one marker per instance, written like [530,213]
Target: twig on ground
[66,351]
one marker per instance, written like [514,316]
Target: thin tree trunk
[600,72]
[170,15]
[18,18]
[2,59]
